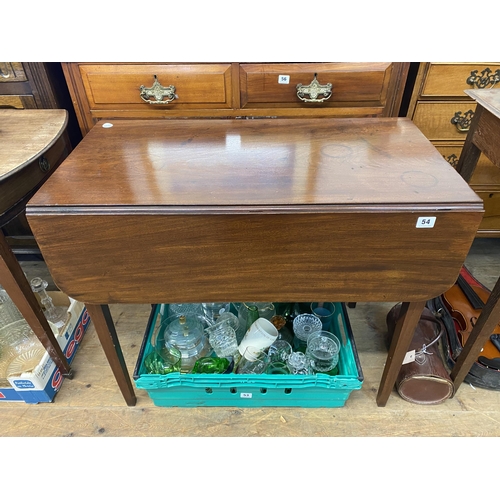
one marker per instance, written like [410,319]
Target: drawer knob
[462,122]
[487,78]
[311,92]
[157,94]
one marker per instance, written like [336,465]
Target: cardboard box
[42,383]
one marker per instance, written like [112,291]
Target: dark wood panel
[353,83]
[282,257]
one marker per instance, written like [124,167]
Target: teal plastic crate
[308,391]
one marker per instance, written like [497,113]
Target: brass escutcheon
[157,94]
[311,92]
[462,122]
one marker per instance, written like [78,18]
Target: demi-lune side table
[33,142]
[302,210]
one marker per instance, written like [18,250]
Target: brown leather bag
[425,380]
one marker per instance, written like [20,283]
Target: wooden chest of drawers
[32,85]
[231,90]
[15,89]
[442,111]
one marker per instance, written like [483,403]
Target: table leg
[403,335]
[19,290]
[105,329]
[486,324]
[470,152]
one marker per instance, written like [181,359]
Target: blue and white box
[41,384]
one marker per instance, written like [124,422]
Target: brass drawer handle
[452,160]
[157,94]
[310,93]
[486,78]
[4,70]
[462,122]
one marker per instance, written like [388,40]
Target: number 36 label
[426,221]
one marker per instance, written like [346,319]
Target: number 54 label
[426,221]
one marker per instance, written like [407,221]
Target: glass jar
[186,333]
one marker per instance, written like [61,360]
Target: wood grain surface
[251,163]
[267,210]
[27,133]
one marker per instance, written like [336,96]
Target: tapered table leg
[403,335]
[19,290]
[105,329]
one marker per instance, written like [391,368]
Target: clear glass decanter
[58,315]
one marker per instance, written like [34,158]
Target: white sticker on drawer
[426,221]
[284,79]
[247,395]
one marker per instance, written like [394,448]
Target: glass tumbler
[325,312]
[213,310]
[254,361]
[222,338]
[185,308]
[278,368]
[279,351]
[231,318]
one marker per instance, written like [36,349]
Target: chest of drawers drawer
[12,72]
[450,80]
[233,90]
[320,84]
[444,121]
[15,89]
[153,87]
[17,101]
[486,175]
